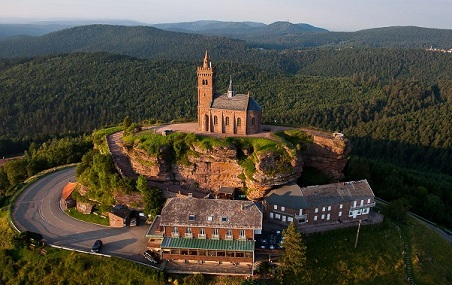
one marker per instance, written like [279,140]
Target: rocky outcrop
[153,168]
[328,153]
[274,169]
[226,166]
[210,169]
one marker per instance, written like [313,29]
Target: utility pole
[357,234]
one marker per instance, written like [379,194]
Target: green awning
[210,244]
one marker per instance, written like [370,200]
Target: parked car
[151,256]
[97,246]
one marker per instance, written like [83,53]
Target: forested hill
[144,42]
[151,43]
[388,37]
[148,42]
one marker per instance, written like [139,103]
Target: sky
[334,15]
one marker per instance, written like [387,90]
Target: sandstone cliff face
[210,169]
[151,167]
[328,153]
[273,170]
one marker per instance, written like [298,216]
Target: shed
[226,193]
[67,201]
[119,216]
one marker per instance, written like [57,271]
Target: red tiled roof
[68,189]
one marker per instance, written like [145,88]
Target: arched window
[239,122]
[227,121]
[253,121]
[215,120]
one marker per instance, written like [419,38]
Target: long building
[320,204]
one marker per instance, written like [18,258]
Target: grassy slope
[430,255]
[332,258]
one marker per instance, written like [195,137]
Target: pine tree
[293,259]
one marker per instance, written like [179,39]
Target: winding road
[38,209]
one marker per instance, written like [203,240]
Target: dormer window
[224,219]
[209,218]
[191,217]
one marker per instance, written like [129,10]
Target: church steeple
[206,63]
[231,92]
[206,82]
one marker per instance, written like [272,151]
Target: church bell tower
[206,91]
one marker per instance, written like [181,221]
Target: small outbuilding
[67,201]
[119,216]
[228,193]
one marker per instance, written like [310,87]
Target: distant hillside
[238,28]
[284,35]
[8,30]
[139,41]
[228,40]
[15,30]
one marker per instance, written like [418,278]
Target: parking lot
[270,240]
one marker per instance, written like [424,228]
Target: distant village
[439,50]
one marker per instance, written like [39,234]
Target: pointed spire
[206,63]
[231,92]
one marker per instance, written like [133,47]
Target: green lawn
[91,218]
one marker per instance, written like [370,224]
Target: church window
[215,120]
[239,122]
[227,121]
[253,121]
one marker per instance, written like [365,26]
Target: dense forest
[401,120]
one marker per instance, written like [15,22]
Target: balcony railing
[188,235]
[202,236]
[227,237]
[305,216]
[362,206]
[175,235]
[215,236]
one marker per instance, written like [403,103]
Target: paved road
[38,210]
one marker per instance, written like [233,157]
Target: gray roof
[289,196]
[216,213]
[237,102]
[292,196]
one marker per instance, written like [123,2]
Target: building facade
[208,230]
[227,113]
[320,204]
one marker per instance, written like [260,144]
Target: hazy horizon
[347,15]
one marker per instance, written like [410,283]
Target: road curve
[37,209]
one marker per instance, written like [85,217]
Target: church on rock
[227,113]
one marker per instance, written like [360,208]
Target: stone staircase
[120,158]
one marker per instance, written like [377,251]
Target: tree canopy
[293,259]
